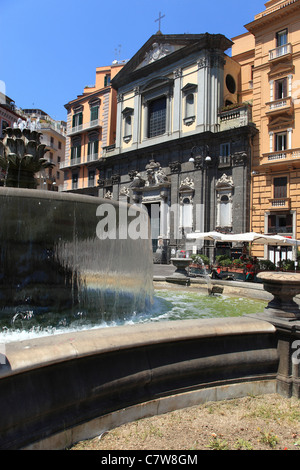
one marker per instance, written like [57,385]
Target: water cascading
[56,264]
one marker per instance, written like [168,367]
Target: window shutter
[284,88]
[94,113]
[280,187]
[272,221]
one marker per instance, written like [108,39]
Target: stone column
[119,121]
[174,216]
[177,103]
[136,116]
[216,88]
[203,94]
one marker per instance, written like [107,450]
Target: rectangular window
[93,149]
[280,141]
[280,89]
[281,38]
[280,187]
[225,153]
[107,80]
[280,223]
[94,113]
[75,181]
[157,117]
[75,153]
[225,150]
[91,178]
[77,120]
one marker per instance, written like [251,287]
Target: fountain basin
[56,388]
[284,287]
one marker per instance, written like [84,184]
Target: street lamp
[204,154]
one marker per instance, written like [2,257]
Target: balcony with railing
[281,51]
[283,203]
[70,162]
[84,127]
[289,156]
[235,116]
[283,105]
[93,157]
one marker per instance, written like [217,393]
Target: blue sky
[49,50]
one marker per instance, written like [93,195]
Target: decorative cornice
[283,10]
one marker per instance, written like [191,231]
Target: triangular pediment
[161,49]
[157,51]
[280,122]
[281,69]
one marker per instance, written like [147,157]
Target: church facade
[183,141]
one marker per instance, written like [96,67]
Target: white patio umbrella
[213,236]
[280,240]
[259,238]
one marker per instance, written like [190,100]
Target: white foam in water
[167,306]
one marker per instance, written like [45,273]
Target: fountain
[284,287]
[56,263]
[180,276]
[62,388]
[21,156]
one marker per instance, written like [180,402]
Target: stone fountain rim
[279,277]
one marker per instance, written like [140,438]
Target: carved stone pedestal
[284,313]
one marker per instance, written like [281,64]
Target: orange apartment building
[91,126]
[269,55]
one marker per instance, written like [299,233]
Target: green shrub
[199,259]
[225,263]
[287,264]
[220,258]
[266,265]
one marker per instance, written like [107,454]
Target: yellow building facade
[91,125]
[269,55]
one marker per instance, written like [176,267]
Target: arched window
[224,188]
[225,213]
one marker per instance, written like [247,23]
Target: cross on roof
[159,20]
